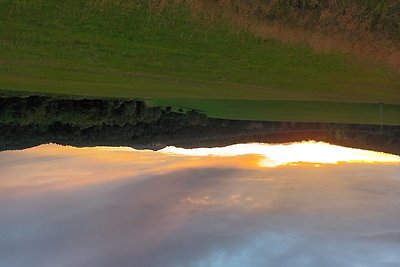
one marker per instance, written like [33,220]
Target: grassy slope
[363,113]
[80,48]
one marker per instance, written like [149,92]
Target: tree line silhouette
[35,120]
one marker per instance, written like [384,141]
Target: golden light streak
[69,166]
[282,154]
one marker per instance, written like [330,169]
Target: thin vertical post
[381,115]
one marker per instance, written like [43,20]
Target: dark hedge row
[27,122]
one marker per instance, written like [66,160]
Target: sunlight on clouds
[276,155]
[267,155]
[199,207]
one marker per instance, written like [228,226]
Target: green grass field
[306,111]
[85,48]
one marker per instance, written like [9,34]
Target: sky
[247,205]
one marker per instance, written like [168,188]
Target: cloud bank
[146,209]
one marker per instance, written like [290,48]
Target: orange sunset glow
[266,155]
[264,193]
[282,154]
[134,162]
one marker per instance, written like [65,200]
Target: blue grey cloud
[344,215]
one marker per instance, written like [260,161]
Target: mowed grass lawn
[86,48]
[306,111]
